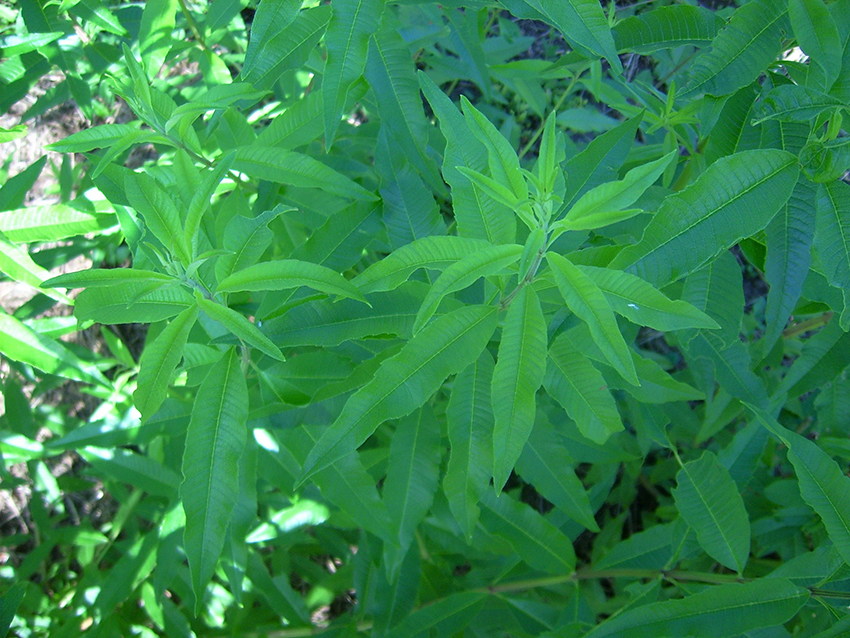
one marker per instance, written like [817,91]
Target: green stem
[192,25]
[530,144]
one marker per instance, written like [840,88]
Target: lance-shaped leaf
[667,28]
[464,273]
[469,415]
[338,244]
[290,273]
[435,253]
[413,472]
[21,343]
[452,613]
[573,381]
[517,377]
[269,20]
[50,223]
[201,199]
[215,440]
[717,612]
[107,277]
[793,103]
[155,41]
[16,262]
[832,232]
[247,238]
[742,50]
[159,211]
[584,298]
[131,303]
[818,36]
[102,136]
[709,501]
[732,365]
[405,381]
[640,303]
[823,484]
[240,326]
[297,169]
[347,42]
[159,360]
[608,202]
[546,464]
[734,198]
[539,543]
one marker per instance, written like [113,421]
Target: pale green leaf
[405,381]
[107,277]
[131,303]
[102,136]
[269,20]
[155,38]
[517,377]
[585,299]
[134,469]
[17,264]
[214,443]
[158,361]
[51,222]
[159,211]
[709,501]
[734,198]
[241,327]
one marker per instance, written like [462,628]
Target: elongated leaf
[710,503]
[649,549]
[734,198]
[50,223]
[455,611]
[832,232]
[478,215]
[131,303]
[633,298]
[135,469]
[533,538]
[155,39]
[717,612]
[247,238]
[546,464]
[470,423]
[656,386]
[17,264]
[102,136]
[159,360]
[9,605]
[21,343]
[290,273]
[413,472]
[338,244]
[718,289]
[159,212]
[347,42]
[732,366]
[464,273]
[106,277]
[405,381]
[789,239]
[741,51]
[269,20]
[823,484]
[289,167]
[14,191]
[215,440]
[793,103]
[573,381]
[517,377]
[667,28]
[817,34]
[240,326]
[201,199]
[584,298]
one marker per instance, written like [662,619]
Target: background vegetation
[511,318]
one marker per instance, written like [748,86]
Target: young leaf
[155,39]
[793,103]
[517,377]
[290,273]
[734,198]
[159,360]
[215,440]
[573,381]
[406,381]
[469,415]
[710,503]
[464,273]
[717,612]
[160,213]
[588,303]
[107,277]
[201,199]
[240,326]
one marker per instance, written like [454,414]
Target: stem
[809,324]
[528,146]
[532,270]
[192,25]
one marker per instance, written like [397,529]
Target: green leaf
[532,537]
[296,169]
[750,41]
[640,303]
[718,288]
[347,43]
[241,327]
[201,199]
[823,484]
[135,469]
[405,381]
[9,604]
[649,549]
[247,238]
[825,162]
[667,28]
[155,38]
[21,343]
[17,264]
[709,501]
[716,612]
[546,464]
[131,303]
[597,206]
[573,381]
[413,472]
[469,415]
[158,361]
[339,243]
[159,211]
[290,273]
[434,253]
[832,232]
[793,103]
[584,298]
[107,277]
[734,198]
[817,35]
[215,440]
[455,611]
[102,136]
[465,272]
[14,191]
[50,222]
[270,20]
[517,377]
